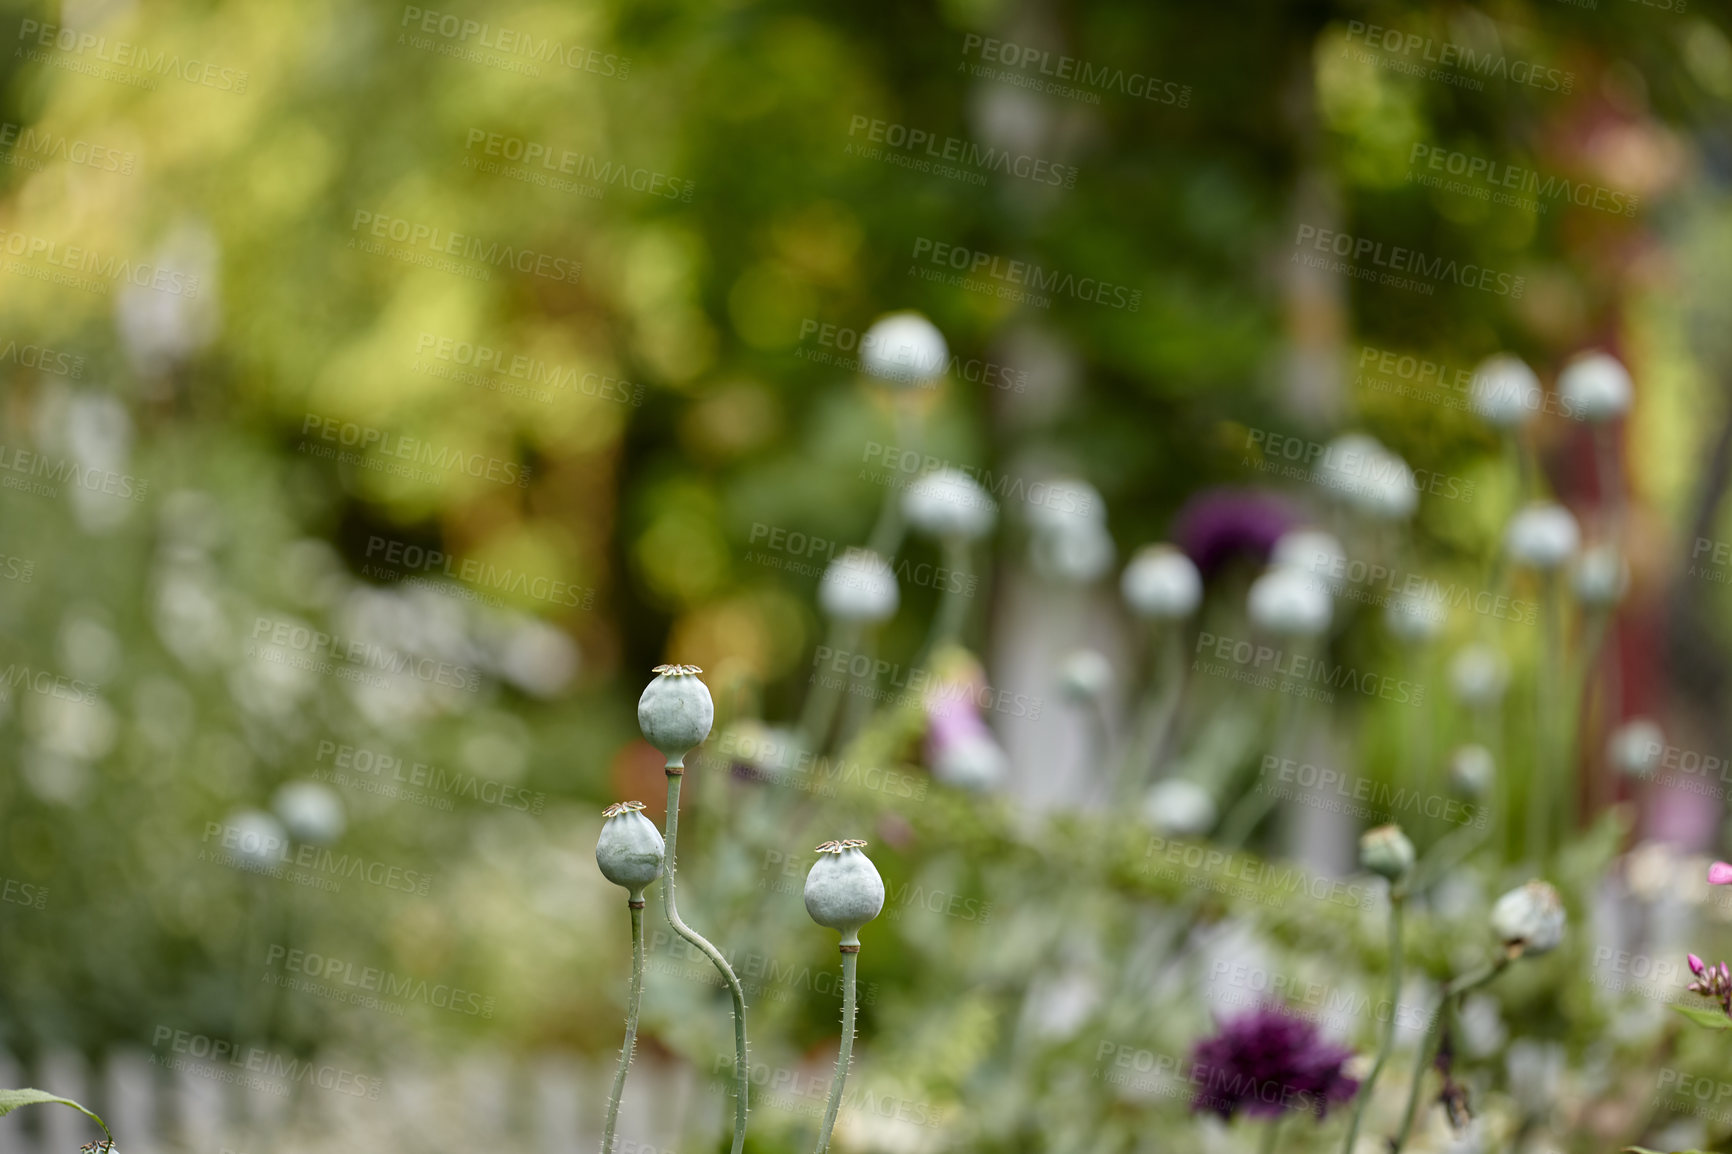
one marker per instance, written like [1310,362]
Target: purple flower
[1720,874]
[1267,1062]
[1219,524]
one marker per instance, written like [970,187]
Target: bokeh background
[388,389]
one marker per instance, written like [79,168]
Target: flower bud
[1084,676]
[1635,747]
[1315,553]
[1075,552]
[1529,919]
[949,503]
[844,891]
[675,711]
[904,349]
[1414,620]
[1359,471]
[1543,537]
[312,812]
[1161,584]
[858,586]
[1505,392]
[1720,874]
[630,848]
[257,838]
[1479,675]
[1288,603]
[1179,807]
[1472,770]
[1386,852]
[1601,576]
[1595,387]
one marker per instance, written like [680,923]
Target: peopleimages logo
[997,276]
[528,49]
[1467,67]
[440,242]
[955,150]
[1397,259]
[1070,69]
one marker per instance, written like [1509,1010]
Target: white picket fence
[174,1104]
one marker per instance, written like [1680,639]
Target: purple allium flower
[1267,1062]
[1219,524]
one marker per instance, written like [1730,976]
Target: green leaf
[10,1100]
[1645,1150]
[1712,1019]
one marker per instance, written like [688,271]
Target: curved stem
[1388,1044]
[1160,705]
[818,713]
[630,1046]
[742,1072]
[849,954]
[1549,771]
[1433,1033]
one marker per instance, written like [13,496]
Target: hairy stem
[742,1072]
[849,954]
[630,1046]
[1387,1046]
[1434,1033]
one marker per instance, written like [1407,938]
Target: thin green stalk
[953,602]
[1160,705]
[1549,773]
[849,954]
[1433,1034]
[630,1046]
[818,713]
[742,1072]
[1387,1046]
[887,534]
[1272,1135]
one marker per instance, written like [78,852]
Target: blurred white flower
[1542,536]
[1314,552]
[1414,619]
[1085,675]
[1479,675]
[1595,387]
[1177,807]
[1078,553]
[160,329]
[1359,471]
[88,648]
[255,837]
[1289,603]
[1472,770]
[905,349]
[949,503]
[1505,392]
[311,812]
[71,722]
[1635,747]
[1161,584]
[859,586]
[1063,503]
[536,657]
[973,761]
[1602,576]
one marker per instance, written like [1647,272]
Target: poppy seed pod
[1289,603]
[1505,392]
[675,711]
[860,587]
[1601,577]
[1472,770]
[630,849]
[1529,919]
[1595,387]
[1543,537]
[1387,852]
[949,503]
[1161,584]
[844,891]
[1313,552]
[1084,676]
[904,349]
[1635,747]
[1178,807]
[1479,675]
[311,811]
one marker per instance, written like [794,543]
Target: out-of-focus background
[387,389]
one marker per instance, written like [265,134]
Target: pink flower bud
[1720,873]
[1696,966]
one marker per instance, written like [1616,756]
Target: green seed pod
[844,891]
[1386,852]
[675,711]
[630,848]
[1529,919]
